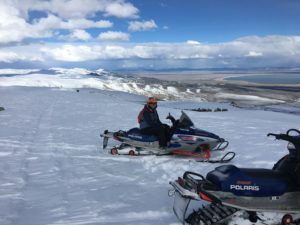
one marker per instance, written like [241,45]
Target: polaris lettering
[244,187]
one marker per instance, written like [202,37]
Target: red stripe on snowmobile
[204,197]
[206,154]
[117,138]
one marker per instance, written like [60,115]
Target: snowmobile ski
[224,159]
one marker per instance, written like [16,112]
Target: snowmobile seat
[248,182]
[221,174]
[263,173]
[135,134]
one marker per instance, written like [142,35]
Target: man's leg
[162,137]
[168,133]
[159,132]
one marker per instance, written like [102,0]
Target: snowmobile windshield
[185,121]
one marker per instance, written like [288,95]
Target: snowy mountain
[55,172]
[147,86]
[98,79]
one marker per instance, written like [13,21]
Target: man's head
[152,103]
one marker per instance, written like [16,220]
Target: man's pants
[162,132]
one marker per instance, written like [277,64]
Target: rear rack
[198,183]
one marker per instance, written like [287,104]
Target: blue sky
[153,34]
[220,20]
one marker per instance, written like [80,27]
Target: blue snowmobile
[228,189]
[186,140]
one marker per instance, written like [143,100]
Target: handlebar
[287,135]
[170,117]
[295,139]
[279,136]
[292,130]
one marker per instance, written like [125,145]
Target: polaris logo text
[244,187]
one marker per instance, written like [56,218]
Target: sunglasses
[152,103]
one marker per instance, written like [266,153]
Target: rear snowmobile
[229,189]
[185,140]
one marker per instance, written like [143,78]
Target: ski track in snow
[54,171]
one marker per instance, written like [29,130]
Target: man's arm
[158,120]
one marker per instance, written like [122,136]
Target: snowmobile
[228,189]
[185,140]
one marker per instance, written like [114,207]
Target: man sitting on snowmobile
[151,125]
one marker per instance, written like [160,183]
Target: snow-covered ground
[53,170]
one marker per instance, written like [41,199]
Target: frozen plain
[54,171]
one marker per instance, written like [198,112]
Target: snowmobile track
[211,214]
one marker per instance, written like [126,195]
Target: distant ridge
[223,69]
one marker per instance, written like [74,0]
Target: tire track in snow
[27,155]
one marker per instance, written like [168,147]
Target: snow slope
[83,78]
[148,86]
[53,170]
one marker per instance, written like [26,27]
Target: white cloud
[80,35]
[191,42]
[144,25]
[113,36]
[253,54]
[121,9]
[275,51]
[54,22]
[81,8]
[80,53]
[13,28]
[71,53]
[244,52]
[83,24]
[16,29]
[60,14]
[10,57]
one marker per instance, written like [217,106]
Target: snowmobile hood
[248,182]
[196,132]
[186,126]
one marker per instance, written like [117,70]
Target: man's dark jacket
[148,118]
